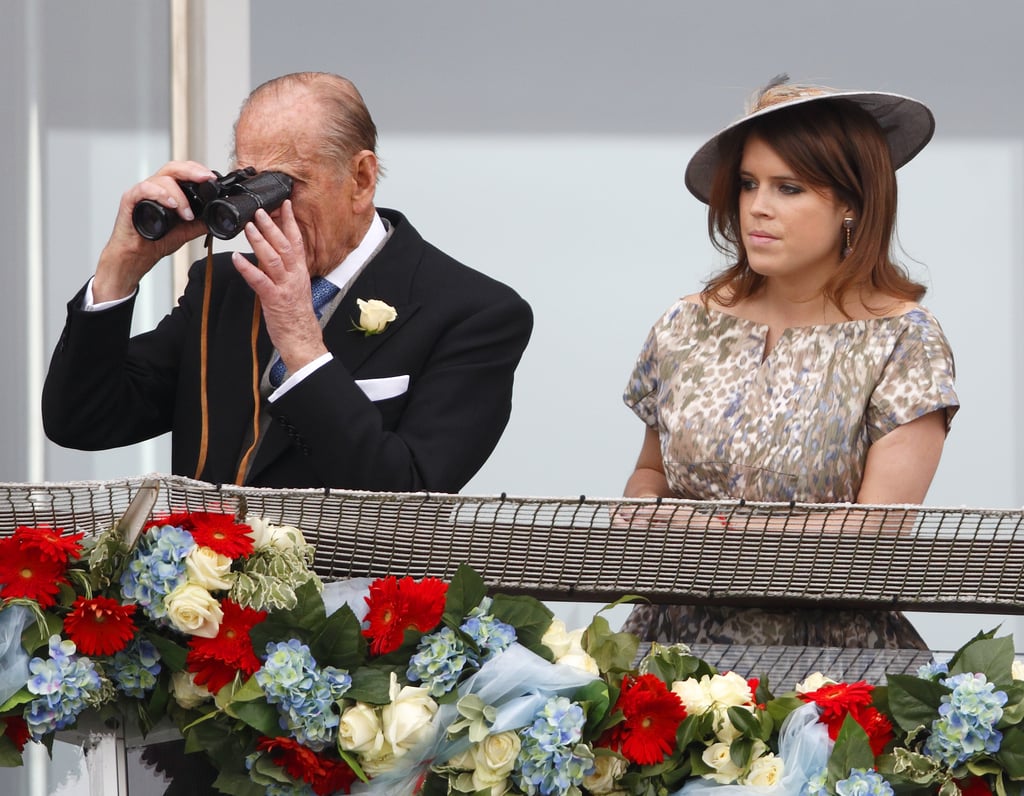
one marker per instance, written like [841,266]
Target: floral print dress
[794,425]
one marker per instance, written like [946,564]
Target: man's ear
[364,173]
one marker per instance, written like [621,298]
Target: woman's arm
[648,478]
[900,466]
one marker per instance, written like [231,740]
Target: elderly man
[402,381]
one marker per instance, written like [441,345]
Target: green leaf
[992,657]
[36,636]
[528,615]
[371,685]
[235,784]
[613,652]
[301,622]
[1011,752]
[780,707]
[914,701]
[341,642]
[741,750]
[9,754]
[261,716]
[852,750]
[596,702]
[465,592]
[746,722]
[172,654]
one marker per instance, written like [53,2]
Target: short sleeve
[641,393]
[917,379]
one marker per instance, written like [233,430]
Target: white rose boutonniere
[374,316]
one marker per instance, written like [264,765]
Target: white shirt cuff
[91,306]
[299,375]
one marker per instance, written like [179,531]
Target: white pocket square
[382,389]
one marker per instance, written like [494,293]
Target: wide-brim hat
[908,125]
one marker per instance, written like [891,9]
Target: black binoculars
[225,204]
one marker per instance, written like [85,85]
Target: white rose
[494,757]
[718,757]
[813,683]
[407,719]
[192,609]
[376,763]
[556,638]
[281,537]
[463,761]
[375,315]
[694,694]
[723,726]
[603,780]
[579,659]
[765,772]
[209,569]
[1017,670]
[359,730]
[730,690]
[185,691]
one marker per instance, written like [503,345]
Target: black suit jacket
[459,336]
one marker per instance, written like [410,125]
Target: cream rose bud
[375,315]
[406,720]
[730,690]
[193,610]
[494,758]
[185,691]
[1017,670]
[813,683]
[608,770]
[359,729]
[280,537]
[694,694]
[209,569]
[556,639]
[463,761]
[579,659]
[718,757]
[765,772]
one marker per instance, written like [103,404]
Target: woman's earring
[848,226]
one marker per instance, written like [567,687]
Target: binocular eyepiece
[225,204]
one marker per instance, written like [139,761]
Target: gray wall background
[543,143]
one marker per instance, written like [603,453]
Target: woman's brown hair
[833,144]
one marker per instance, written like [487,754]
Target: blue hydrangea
[490,634]
[63,685]
[967,720]
[817,783]
[864,782]
[134,669]
[156,568]
[440,659]
[551,758]
[289,789]
[933,671]
[305,694]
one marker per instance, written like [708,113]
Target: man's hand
[128,256]
[282,283]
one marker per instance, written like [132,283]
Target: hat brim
[908,126]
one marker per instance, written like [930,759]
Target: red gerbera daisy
[325,776]
[100,626]
[29,574]
[220,532]
[398,605]
[837,700]
[214,661]
[651,716]
[50,543]
[16,730]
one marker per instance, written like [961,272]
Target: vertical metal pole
[36,758]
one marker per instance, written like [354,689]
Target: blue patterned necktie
[323,291]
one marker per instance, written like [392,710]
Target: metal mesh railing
[579,549]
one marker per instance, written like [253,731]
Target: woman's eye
[790,189]
[747,185]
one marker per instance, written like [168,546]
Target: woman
[806,371]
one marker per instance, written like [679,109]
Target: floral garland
[403,686]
